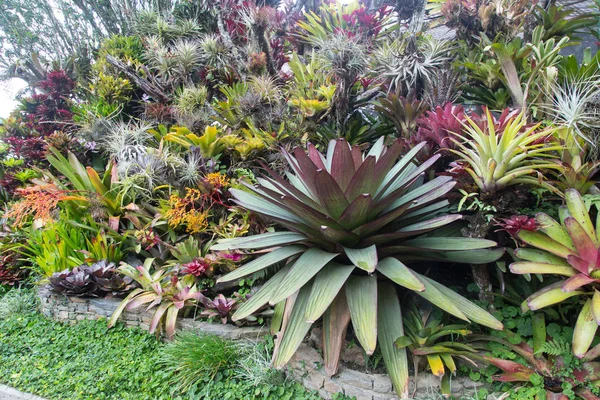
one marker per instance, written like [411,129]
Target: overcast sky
[8,91]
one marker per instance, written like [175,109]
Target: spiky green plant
[517,154]
[352,221]
[568,249]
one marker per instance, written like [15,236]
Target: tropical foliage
[306,162]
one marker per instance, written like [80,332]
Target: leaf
[473,311]
[264,240]
[436,364]
[326,286]
[365,259]
[579,212]
[583,242]
[331,197]
[399,273]
[585,330]
[541,241]
[117,313]
[171,321]
[525,267]
[538,321]
[403,341]
[389,320]
[357,213]
[294,330]
[342,165]
[303,270]
[450,243]
[262,262]
[596,306]
[262,296]
[361,294]
[511,76]
[551,294]
[335,324]
[277,318]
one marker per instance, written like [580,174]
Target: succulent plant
[75,282]
[568,249]
[220,307]
[98,279]
[352,221]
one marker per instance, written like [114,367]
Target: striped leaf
[328,283]
[264,240]
[400,274]
[361,293]
[262,262]
[335,324]
[294,329]
[304,269]
[389,324]
[262,296]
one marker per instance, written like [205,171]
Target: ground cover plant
[87,361]
[315,163]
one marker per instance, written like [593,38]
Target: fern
[555,348]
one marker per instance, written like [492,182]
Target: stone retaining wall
[74,309]
[305,367]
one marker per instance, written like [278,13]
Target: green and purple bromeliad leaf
[353,220]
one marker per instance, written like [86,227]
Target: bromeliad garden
[413,183]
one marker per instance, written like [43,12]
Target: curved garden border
[305,367]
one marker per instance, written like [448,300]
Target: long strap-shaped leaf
[264,240]
[262,296]
[475,313]
[271,258]
[361,293]
[326,286]
[294,328]
[399,273]
[335,324]
[304,269]
[389,323]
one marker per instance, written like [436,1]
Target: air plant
[409,62]
[352,222]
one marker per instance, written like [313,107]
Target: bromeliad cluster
[353,221]
[569,249]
